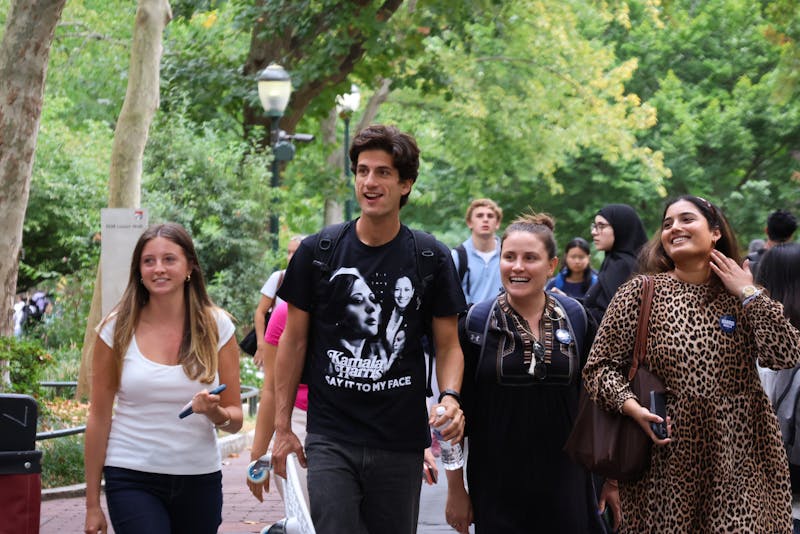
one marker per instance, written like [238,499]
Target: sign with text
[121,228]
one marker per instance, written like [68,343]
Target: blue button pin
[727,323]
[562,335]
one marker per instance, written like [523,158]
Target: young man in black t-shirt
[358,324]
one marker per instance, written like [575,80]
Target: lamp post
[274,90]
[346,105]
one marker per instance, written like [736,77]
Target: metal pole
[275,182]
[348,203]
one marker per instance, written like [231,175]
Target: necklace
[537,353]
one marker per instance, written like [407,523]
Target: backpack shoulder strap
[463,265]
[327,240]
[576,315]
[425,251]
[477,325]
[425,254]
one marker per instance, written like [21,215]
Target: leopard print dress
[725,469]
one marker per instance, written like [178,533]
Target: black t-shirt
[368,317]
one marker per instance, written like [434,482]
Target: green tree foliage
[69,186]
[210,181]
[712,72]
[530,90]
[557,106]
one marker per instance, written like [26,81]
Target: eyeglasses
[599,227]
[538,368]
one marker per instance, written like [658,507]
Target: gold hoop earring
[188,277]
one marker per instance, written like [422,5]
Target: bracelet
[451,393]
[751,298]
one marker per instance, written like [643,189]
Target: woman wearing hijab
[618,231]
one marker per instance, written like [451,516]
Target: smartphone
[429,473]
[658,406]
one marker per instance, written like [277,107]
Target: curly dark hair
[401,146]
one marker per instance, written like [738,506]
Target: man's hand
[455,430]
[286,442]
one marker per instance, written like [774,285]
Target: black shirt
[368,318]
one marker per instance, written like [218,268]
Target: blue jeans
[362,490]
[163,504]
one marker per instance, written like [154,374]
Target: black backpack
[425,253]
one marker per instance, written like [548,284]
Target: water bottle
[452,455]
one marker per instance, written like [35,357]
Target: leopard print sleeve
[605,373]
[777,342]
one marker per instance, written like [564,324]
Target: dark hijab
[620,261]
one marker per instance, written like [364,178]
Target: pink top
[277,321]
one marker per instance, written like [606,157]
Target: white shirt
[270,287]
[146,433]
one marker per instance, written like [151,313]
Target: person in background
[265,420]
[20,316]
[269,300]
[478,258]
[618,231]
[779,275]
[755,245]
[781,226]
[521,398]
[163,344]
[576,275]
[722,467]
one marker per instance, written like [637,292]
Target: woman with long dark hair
[722,467]
[779,275]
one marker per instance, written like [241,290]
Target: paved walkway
[62,511]
[241,512]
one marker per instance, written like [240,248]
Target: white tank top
[146,433]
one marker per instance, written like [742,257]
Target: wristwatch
[452,393]
[747,292]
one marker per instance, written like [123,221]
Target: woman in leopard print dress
[723,467]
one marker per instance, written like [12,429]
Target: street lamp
[346,105]
[274,90]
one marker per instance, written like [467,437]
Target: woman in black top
[617,230]
[520,393]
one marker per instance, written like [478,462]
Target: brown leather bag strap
[640,347]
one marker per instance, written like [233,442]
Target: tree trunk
[130,138]
[24,53]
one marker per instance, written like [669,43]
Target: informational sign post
[121,228]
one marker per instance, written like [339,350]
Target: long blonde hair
[198,351]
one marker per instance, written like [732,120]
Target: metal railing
[249,396]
